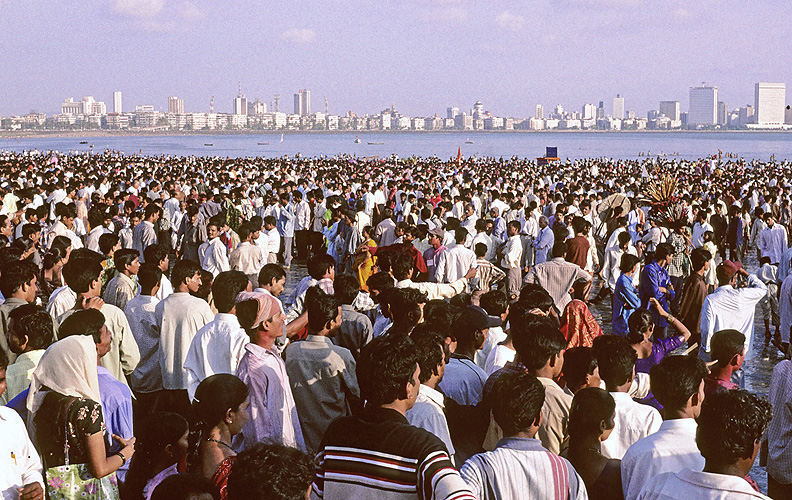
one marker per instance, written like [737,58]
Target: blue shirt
[625,302]
[653,277]
[286,221]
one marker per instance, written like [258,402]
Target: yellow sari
[364,264]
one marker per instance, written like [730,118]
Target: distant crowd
[440,346]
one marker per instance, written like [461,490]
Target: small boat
[376,143]
[83,142]
[208,144]
[468,141]
[263,143]
[357,140]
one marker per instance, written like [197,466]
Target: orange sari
[578,325]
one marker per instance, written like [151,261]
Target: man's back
[691,485]
[633,422]
[380,455]
[179,317]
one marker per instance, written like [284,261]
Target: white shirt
[218,347]
[498,357]
[512,253]
[543,244]
[273,240]
[670,449]
[495,336]
[436,290]
[633,422]
[778,439]
[730,308]
[428,414]
[454,263]
[140,312]
[690,485]
[213,256]
[773,242]
[92,239]
[19,461]
[697,237]
[61,300]
[179,317]
[165,288]
[247,258]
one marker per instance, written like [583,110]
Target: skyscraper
[769,103]
[240,105]
[302,102]
[452,112]
[670,109]
[117,102]
[601,110]
[175,105]
[618,107]
[703,106]
[723,113]
[589,111]
[540,111]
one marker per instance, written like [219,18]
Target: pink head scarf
[267,305]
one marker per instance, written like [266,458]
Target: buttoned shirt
[730,308]
[435,290]
[355,331]
[273,414]
[116,409]
[61,300]
[428,413]
[19,461]
[543,244]
[670,449]
[19,373]
[142,317]
[323,380]
[778,439]
[692,485]
[653,277]
[120,290]
[512,253]
[214,257]
[773,242]
[454,263]
[633,422]
[247,258]
[143,235]
[179,317]
[463,381]
[557,276]
[218,347]
[522,468]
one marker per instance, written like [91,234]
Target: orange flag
[459,157]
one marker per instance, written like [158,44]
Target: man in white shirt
[179,317]
[385,233]
[213,254]
[144,233]
[729,308]
[773,240]
[429,410]
[455,262]
[247,257]
[543,242]
[218,347]
[616,360]
[699,228]
[146,380]
[512,254]
[677,384]
[730,428]
[273,239]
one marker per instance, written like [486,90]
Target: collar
[433,394]
[623,396]
[231,319]
[522,444]
[260,352]
[403,283]
[319,339]
[347,307]
[679,424]
[15,300]
[379,414]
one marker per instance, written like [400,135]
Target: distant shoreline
[60,134]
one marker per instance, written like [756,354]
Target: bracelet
[123,458]
[670,319]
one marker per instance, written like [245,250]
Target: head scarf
[266,305]
[579,326]
[69,368]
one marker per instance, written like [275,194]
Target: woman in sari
[578,325]
[365,262]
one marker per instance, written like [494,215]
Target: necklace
[221,442]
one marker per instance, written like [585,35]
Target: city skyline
[423,55]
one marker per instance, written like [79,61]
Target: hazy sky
[421,55]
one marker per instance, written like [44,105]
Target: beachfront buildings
[703,108]
[769,104]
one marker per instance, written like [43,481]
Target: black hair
[401,266]
[616,359]
[33,322]
[379,281]
[480,249]
[663,250]
[107,241]
[494,302]
[244,231]
[675,379]
[3,360]
[346,288]
[628,262]
[270,272]
[639,322]
[405,301]
[431,349]
[124,258]
[213,398]
[159,430]
[225,288]
[590,406]
[559,249]
[725,344]
[579,362]
[699,257]
[151,209]
[80,272]
[516,400]
[624,237]
[536,339]
[321,308]
[184,487]
[87,322]
[534,296]
[15,274]
[730,424]
[385,366]
[288,473]
[154,254]
[319,264]
[183,270]
[54,255]
[149,276]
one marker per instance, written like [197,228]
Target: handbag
[74,481]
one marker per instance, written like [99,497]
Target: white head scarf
[69,368]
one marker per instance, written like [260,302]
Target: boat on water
[208,144]
[468,141]
[375,143]
[263,143]
[83,142]
[357,140]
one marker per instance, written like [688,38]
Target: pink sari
[578,325]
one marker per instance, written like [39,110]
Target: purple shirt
[659,349]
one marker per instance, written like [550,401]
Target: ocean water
[622,145]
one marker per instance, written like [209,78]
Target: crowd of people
[441,346]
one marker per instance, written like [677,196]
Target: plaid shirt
[679,265]
[510,367]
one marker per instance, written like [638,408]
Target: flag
[459,156]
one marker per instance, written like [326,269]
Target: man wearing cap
[432,255]
[730,308]
[464,380]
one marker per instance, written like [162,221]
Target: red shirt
[577,250]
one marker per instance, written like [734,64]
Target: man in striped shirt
[520,467]
[379,454]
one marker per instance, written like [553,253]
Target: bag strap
[66,431]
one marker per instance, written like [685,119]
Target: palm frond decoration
[667,209]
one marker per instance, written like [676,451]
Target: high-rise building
[240,105]
[452,112]
[723,113]
[589,111]
[302,102]
[478,110]
[670,109]
[618,107]
[747,115]
[788,115]
[703,106]
[175,105]
[601,111]
[539,111]
[769,103]
[117,102]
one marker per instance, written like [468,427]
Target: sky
[420,55]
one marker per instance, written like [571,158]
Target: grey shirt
[355,332]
